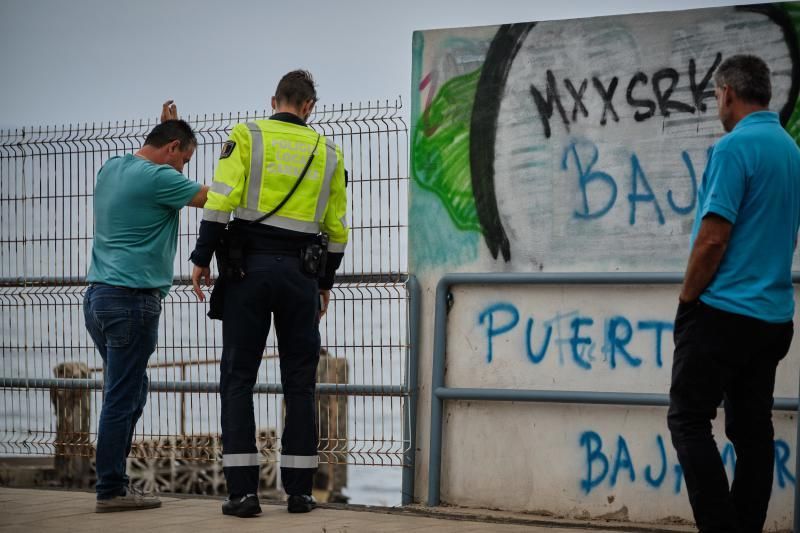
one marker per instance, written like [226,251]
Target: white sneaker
[131,501]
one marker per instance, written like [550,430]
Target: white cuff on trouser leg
[299,461]
[240,459]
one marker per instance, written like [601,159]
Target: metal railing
[367,380]
[440,392]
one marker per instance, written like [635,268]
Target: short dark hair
[171,130]
[296,88]
[748,76]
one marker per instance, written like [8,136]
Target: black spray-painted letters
[662,85]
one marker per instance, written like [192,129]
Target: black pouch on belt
[230,256]
[314,256]
[216,303]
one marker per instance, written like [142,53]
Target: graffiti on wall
[607,340]
[578,340]
[608,464]
[543,140]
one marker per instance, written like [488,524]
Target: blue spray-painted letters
[615,344]
[603,465]
[576,340]
[573,336]
[492,331]
[581,156]
[593,444]
[587,176]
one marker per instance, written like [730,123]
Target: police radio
[314,256]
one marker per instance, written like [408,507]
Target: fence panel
[47,178]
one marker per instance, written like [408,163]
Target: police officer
[285,185]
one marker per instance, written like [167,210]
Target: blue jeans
[124,326]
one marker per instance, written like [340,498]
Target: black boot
[242,507]
[302,503]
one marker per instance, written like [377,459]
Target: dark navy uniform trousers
[273,286]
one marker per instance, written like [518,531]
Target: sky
[64,62]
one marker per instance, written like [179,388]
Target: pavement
[42,510]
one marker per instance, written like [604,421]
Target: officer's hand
[169,111]
[199,273]
[324,300]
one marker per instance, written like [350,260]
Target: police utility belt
[233,247]
[231,250]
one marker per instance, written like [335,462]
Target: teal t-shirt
[753,181]
[136,213]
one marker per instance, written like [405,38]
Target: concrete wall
[562,146]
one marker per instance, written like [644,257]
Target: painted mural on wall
[577,144]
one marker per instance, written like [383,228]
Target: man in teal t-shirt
[734,319]
[137,202]
[137,208]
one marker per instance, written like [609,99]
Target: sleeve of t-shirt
[725,186]
[173,189]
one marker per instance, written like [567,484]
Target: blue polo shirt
[753,180]
[136,213]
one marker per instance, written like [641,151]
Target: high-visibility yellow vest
[260,164]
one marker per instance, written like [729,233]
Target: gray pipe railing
[178,281]
[411,389]
[198,386]
[439,392]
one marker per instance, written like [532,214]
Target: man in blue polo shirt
[734,319]
[137,200]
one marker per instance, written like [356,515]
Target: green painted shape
[440,149]
[793,125]
[433,241]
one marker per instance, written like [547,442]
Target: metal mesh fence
[46,226]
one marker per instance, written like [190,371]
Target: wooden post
[73,413]
[332,413]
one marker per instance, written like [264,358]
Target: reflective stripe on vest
[337,247]
[212,215]
[221,188]
[325,191]
[278,221]
[256,166]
